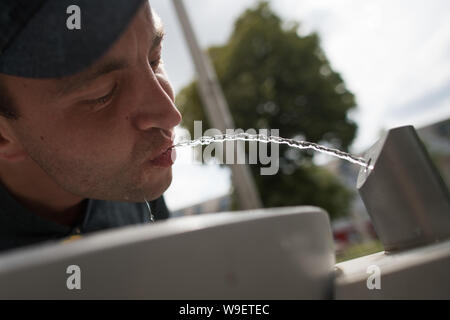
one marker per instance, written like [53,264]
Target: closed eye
[156,63]
[102,100]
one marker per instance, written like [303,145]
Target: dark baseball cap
[37,42]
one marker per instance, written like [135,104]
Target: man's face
[95,135]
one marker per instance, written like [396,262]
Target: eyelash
[156,63]
[104,99]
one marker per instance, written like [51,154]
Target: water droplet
[152,218]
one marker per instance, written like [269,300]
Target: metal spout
[404,194]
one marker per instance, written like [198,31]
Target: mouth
[165,157]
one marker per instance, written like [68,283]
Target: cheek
[104,143]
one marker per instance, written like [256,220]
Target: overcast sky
[393,55]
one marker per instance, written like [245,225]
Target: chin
[156,188]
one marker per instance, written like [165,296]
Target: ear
[11,149]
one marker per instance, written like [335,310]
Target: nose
[157,108]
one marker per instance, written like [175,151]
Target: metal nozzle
[405,196]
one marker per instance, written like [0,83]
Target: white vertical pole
[217,108]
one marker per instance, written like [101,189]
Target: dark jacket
[19,227]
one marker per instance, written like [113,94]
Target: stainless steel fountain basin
[283,253]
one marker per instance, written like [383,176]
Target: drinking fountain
[406,198]
[277,253]
[409,205]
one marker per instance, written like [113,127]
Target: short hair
[7,107]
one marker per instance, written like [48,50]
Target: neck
[38,193]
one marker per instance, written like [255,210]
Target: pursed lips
[163,149]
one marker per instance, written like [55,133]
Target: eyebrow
[158,38]
[83,79]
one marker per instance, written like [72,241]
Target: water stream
[206,140]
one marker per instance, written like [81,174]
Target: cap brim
[47,48]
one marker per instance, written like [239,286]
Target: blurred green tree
[273,77]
